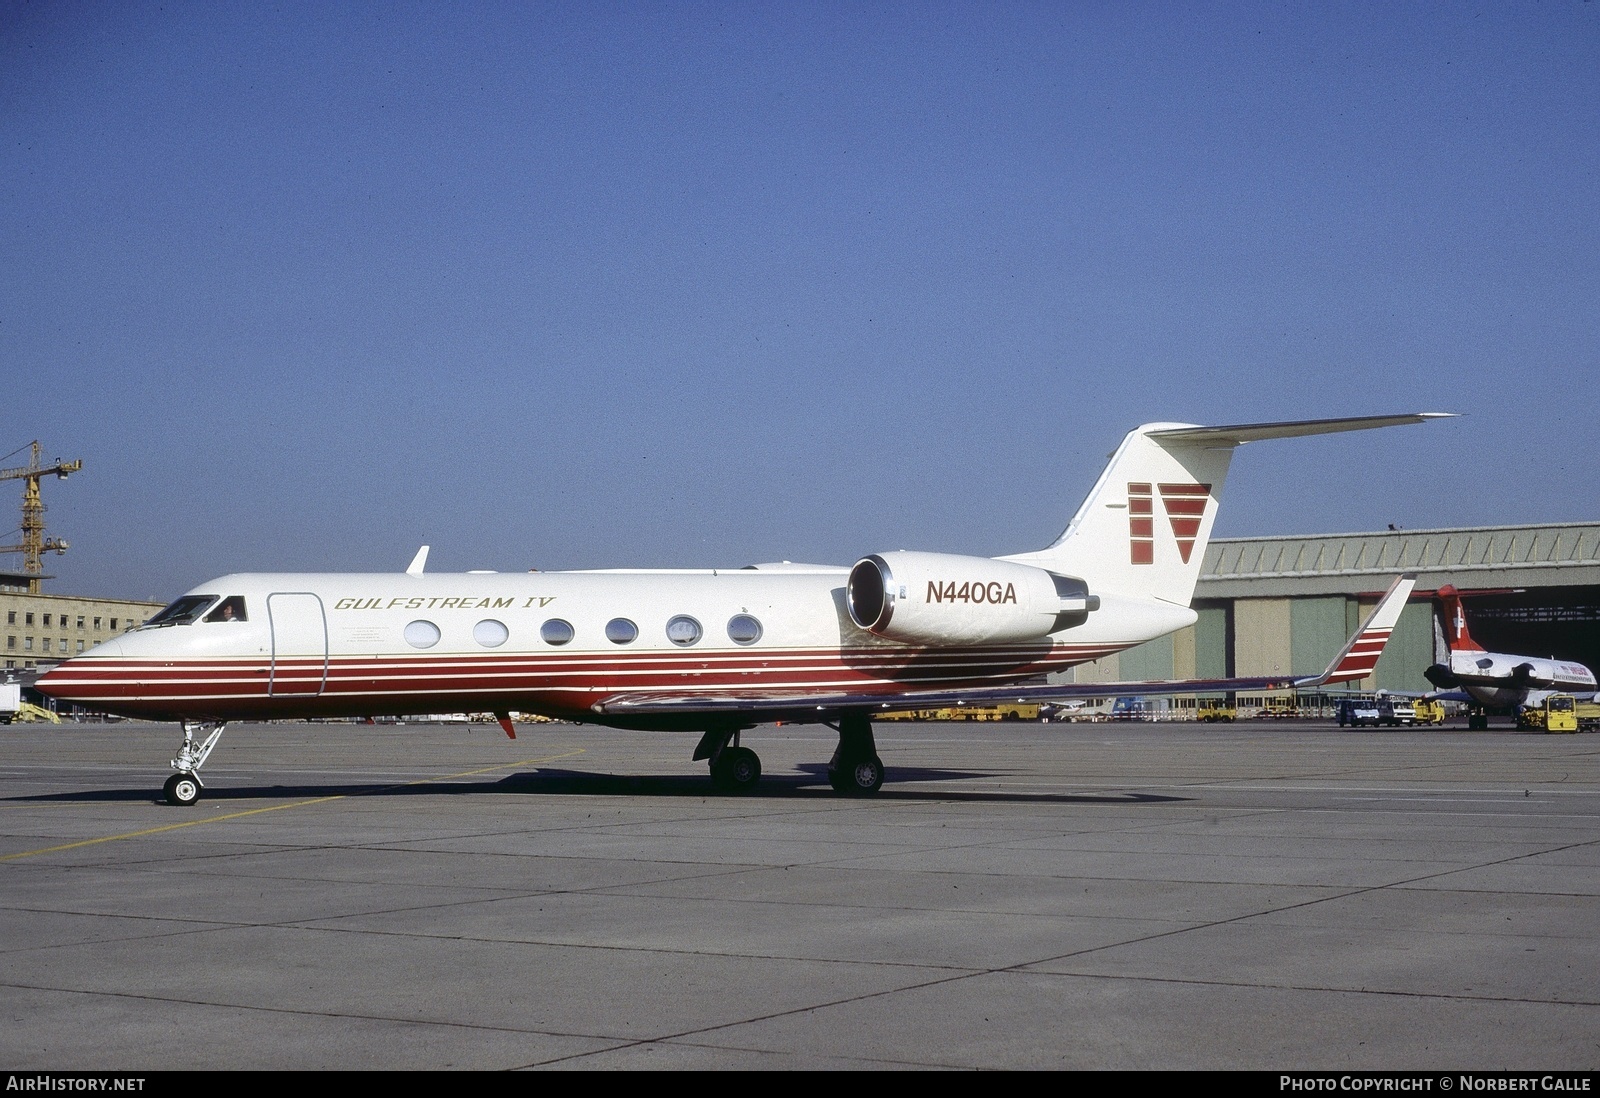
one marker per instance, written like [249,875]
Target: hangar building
[1286,605]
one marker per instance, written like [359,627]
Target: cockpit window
[230,609]
[183,612]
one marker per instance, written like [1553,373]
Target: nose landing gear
[182,790]
[184,787]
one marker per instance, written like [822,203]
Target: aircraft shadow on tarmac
[553,782]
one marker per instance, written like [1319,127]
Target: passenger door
[299,644]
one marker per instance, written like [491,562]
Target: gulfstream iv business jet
[714,652]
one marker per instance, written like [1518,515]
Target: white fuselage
[1499,680]
[557,643]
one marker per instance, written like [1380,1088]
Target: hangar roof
[1471,557]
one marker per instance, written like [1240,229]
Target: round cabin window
[683,631]
[490,633]
[743,629]
[422,634]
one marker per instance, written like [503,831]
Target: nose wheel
[182,790]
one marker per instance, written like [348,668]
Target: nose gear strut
[183,788]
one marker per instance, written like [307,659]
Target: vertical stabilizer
[1143,530]
[1456,637]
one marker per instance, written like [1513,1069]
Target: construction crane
[34,544]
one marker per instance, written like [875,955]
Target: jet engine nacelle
[939,598]
[1441,677]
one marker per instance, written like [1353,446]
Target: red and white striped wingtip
[1360,657]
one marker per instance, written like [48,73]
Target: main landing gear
[854,771]
[734,769]
[183,788]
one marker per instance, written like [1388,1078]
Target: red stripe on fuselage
[557,681]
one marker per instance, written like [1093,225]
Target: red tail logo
[1185,506]
[1141,529]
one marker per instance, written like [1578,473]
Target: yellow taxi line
[279,807]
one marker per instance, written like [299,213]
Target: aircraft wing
[1355,661]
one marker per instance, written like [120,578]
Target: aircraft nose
[60,680]
[50,682]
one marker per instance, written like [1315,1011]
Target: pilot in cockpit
[229,609]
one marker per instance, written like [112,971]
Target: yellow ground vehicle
[1561,713]
[1216,709]
[1429,712]
[27,712]
[1009,712]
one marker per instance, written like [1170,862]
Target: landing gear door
[299,644]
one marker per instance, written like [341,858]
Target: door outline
[274,688]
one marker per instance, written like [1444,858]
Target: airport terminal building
[46,629]
[1286,605]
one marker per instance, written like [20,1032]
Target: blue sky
[679,284]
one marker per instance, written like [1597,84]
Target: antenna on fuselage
[418,562]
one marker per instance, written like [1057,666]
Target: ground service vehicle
[1356,712]
[1561,713]
[1429,711]
[1278,710]
[1019,711]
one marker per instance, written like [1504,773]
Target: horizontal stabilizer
[1240,433]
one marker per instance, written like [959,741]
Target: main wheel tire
[860,777]
[736,770]
[182,790]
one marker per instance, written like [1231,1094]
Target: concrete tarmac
[1285,896]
